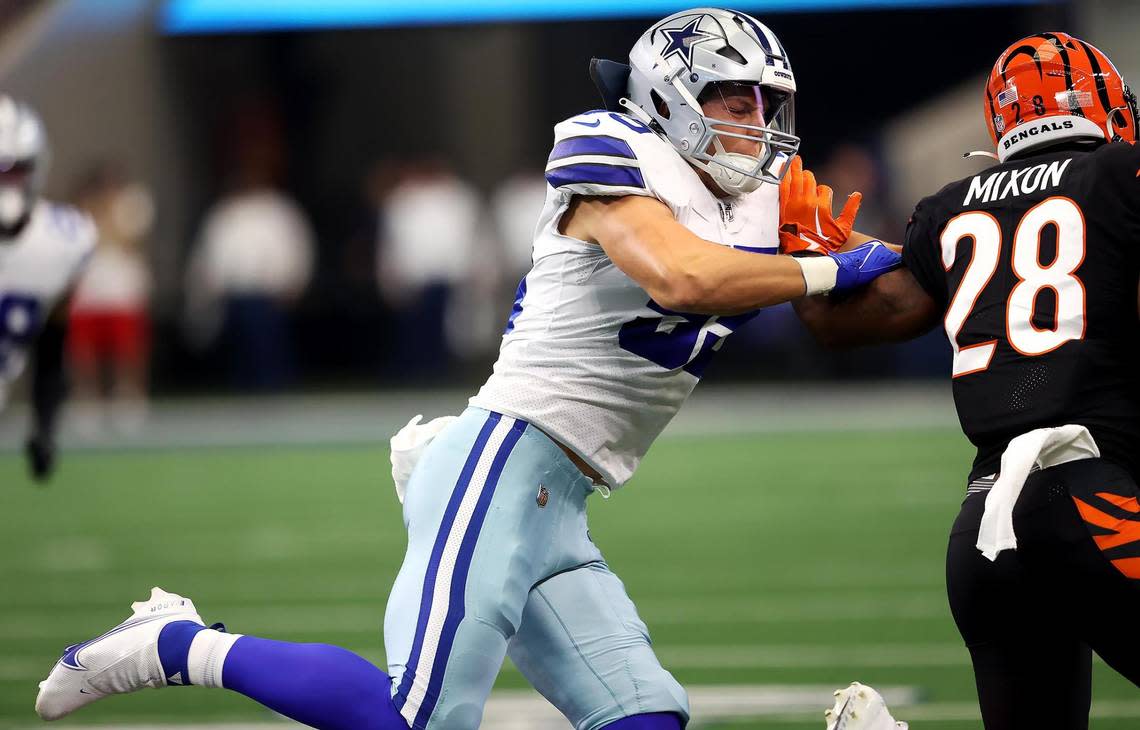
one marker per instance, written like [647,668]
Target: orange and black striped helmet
[1052,86]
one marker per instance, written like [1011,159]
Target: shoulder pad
[1119,158]
[608,153]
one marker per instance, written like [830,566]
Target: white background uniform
[585,357]
[37,268]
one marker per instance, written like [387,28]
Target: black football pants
[1032,618]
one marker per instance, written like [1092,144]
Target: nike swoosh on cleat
[597,122]
[70,658]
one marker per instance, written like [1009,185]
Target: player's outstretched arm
[893,308]
[49,387]
[686,273]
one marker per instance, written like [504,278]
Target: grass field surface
[806,558]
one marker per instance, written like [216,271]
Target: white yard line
[968,711]
[519,710]
[526,710]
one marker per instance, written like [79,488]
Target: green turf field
[754,559]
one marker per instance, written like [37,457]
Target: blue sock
[323,686]
[652,721]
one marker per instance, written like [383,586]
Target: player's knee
[458,716]
[660,700]
[496,607]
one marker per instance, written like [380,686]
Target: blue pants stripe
[455,609]
[437,553]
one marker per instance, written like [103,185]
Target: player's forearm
[891,309]
[720,280]
[686,273]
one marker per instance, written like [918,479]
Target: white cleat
[860,707]
[124,659]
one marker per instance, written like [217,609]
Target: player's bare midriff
[590,472]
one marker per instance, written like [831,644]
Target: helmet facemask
[23,164]
[18,192]
[736,104]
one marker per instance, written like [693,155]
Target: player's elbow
[682,291]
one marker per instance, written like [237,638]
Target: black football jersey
[1036,264]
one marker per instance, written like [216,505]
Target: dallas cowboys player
[649,253]
[43,247]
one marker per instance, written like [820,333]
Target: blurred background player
[658,238]
[43,247]
[1034,268]
[253,260]
[427,253]
[109,341]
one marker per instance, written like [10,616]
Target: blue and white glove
[842,272]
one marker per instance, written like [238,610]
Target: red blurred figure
[109,342]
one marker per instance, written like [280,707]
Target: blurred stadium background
[322,208]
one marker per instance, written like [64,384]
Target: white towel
[1044,447]
[408,446]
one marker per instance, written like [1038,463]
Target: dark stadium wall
[94,72]
[482,97]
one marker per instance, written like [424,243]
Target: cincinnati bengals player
[1033,265]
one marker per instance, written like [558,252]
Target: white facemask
[13,205]
[728,179]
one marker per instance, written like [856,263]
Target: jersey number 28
[1059,275]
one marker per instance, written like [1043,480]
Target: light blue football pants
[499,562]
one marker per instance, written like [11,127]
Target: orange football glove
[806,218]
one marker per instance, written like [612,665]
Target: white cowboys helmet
[23,163]
[689,57]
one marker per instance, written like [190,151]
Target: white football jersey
[37,268]
[587,356]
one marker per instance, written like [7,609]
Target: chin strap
[640,114]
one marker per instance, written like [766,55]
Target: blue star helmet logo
[682,40]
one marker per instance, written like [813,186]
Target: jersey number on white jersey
[19,321]
[676,340]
